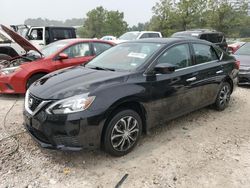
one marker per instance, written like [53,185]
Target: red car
[17,74]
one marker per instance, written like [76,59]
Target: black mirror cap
[164,68]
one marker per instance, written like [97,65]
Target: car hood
[244,60]
[26,45]
[74,81]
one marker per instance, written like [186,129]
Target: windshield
[53,47]
[129,36]
[125,57]
[243,50]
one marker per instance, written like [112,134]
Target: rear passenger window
[178,55]
[204,53]
[100,47]
[145,35]
[154,35]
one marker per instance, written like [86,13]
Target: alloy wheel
[125,133]
[224,95]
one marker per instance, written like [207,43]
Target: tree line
[168,17]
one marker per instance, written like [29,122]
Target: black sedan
[243,56]
[126,91]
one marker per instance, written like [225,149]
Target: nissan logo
[30,102]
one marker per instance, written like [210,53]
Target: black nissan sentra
[126,91]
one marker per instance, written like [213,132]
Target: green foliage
[100,22]
[170,17]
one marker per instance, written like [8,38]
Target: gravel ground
[203,149]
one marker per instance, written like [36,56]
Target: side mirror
[164,68]
[62,56]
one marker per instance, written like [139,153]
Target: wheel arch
[128,103]
[7,50]
[33,74]
[230,81]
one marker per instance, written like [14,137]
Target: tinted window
[78,50]
[154,35]
[204,53]
[178,55]
[100,47]
[59,34]
[37,34]
[145,35]
[213,37]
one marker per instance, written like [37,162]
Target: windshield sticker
[137,55]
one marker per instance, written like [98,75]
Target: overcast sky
[16,11]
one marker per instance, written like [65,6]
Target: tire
[34,78]
[119,140]
[4,57]
[223,97]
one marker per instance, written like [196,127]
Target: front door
[174,94]
[77,54]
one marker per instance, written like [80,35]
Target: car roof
[76,40]
[168,40]
[199,31]
[143,32]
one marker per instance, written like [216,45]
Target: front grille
[64,140]
[33,102]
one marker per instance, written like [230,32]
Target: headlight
[10,70]
[71,105]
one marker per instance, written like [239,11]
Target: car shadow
[11,96]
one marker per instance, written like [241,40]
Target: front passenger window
[78,50]
[178,55]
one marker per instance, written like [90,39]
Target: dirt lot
[203,149]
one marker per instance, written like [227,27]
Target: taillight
[237,64]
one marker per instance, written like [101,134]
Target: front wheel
[223,97]
[123,132]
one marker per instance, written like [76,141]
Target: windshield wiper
[102,68]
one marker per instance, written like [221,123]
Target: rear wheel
[123,132]
[34,78]
[223,97]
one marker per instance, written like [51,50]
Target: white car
[108,37]
[135,35]
[8,47]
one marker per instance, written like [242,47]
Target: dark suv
[127,90]
[218,38]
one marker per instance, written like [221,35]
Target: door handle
[219,72]
[191,79]
[41,44]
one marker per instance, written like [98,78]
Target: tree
[170,17]
[100,22]
[114,23]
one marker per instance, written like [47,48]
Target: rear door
[77,54]
[209,72]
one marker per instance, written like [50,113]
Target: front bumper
[64,132]
[11,85]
